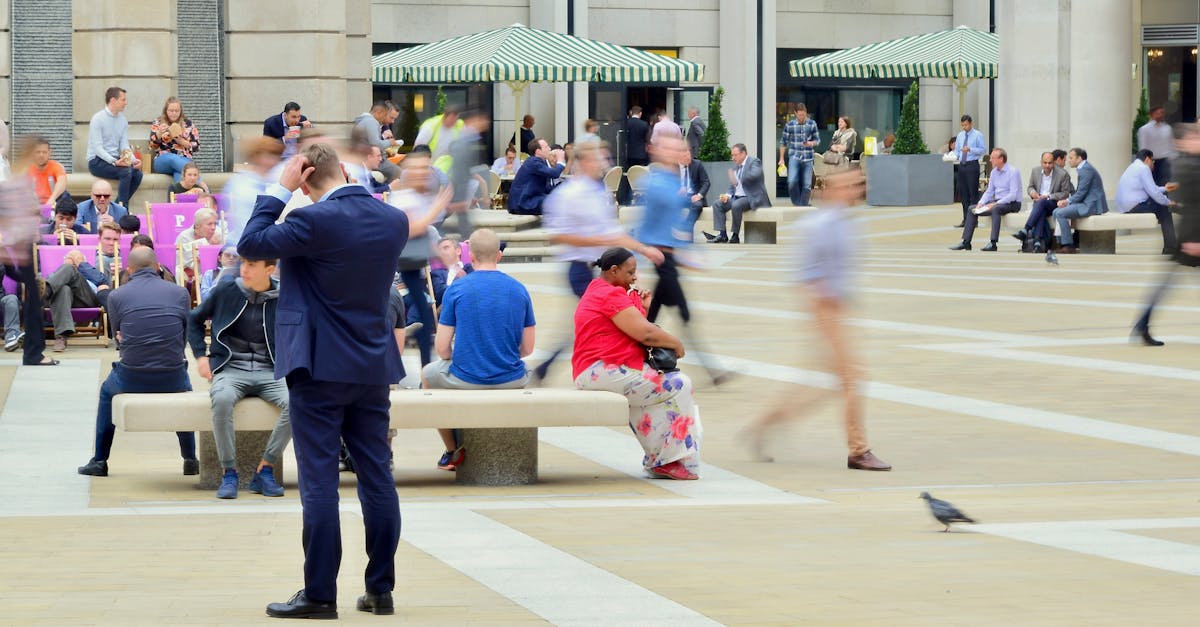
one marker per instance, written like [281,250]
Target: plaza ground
[992,380]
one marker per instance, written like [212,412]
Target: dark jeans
[967,185]
[417,290]
[128,380]
[997,214]
[324,414]
[1165,221]
[31,310]
[1038,225]
[1162,171]
[128,178]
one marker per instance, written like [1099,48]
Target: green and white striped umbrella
[519,54]
[959,53]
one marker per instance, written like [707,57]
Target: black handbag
[662,359]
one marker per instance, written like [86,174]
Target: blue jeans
[127,380]
[417,290]
[128,178]
[1063,216]
[799,179]
[170,163]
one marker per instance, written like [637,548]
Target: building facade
[1071,71]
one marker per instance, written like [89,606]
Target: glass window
[419,103]
[1170,77]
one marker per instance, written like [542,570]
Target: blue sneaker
[229,485]
[264,483]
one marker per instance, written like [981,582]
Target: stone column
[297,53]
[129,44]
[358,57]
[1101,78]
[40,98]
[546,101]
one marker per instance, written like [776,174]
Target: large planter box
[908,180]
[718,179]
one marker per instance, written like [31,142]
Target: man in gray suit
[1088,199]
[695,131]
[746,193]
[1048,184]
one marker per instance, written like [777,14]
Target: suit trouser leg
[1164,284]
[668,292]
[720,208]
[61,297]
[1038,224]
[968,185]
[998,216]
[32,316]
[970,221]
[1165,221]
[739,206]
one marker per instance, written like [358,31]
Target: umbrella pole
[961,84]
[518,87]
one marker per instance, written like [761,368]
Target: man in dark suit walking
[695,131]
[338,354]
[637,133]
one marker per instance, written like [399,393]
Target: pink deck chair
[183,198]
[168,220]
[89,321]
[436,264]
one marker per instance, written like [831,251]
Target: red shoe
[674,470]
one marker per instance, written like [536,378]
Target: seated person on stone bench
[149,317]
[1088,199]
[1048,184]
[65,220]
[449,252]
[77,283]
[144,241]
[1003,196]
[746,193]
[1138,193]
[485,328]
[240,362]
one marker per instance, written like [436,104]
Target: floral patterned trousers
[662,410]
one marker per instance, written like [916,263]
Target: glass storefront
[1170,80]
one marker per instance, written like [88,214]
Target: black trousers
[967,185]
[31,309]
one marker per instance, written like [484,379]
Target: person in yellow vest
[439,132]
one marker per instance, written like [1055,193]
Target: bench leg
[250,447]
[499,457]
[1098,242]
[759,232]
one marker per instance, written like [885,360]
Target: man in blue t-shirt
[485,328]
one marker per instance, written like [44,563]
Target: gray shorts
[438,377]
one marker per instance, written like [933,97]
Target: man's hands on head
[295,173]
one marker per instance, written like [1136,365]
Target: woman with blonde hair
[174,139]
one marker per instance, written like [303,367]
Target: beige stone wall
[1170,12]
[316,53]
[129,43]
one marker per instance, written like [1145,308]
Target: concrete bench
[154,187]
[1097,234]
[759,226]
[498,427]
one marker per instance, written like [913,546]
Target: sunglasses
[101,195]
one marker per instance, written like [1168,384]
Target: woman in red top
[610,332]
[174,139]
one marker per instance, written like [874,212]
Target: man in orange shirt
[49,177]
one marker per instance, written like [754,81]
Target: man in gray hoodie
[241,362]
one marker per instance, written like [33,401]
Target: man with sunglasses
[100,208]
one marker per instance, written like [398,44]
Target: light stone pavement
[994,381]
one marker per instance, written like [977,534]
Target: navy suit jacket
[1090,192]
[531,185]
[273,126]
[336,261]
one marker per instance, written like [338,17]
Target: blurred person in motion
[1186,168]
[20,214]
[825,270]
[668,198]
[580,218]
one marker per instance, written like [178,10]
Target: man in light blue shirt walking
[970,148]
[108,153]
[1138,193]
[1003,196]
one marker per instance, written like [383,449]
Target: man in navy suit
[1088,199]
[338,354]
[532,182]
[286,128]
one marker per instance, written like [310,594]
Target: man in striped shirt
[799,138]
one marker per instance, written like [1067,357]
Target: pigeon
[944,512]
[1051,258]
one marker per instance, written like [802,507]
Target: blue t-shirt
[489,311]
[665,206]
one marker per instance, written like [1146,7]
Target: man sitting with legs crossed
[240,363]
[1003,196]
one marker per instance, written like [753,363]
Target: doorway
[609,104]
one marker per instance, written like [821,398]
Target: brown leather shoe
[1068,250]
[867,461]
[60,344]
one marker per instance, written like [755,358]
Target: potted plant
[909,175]
[714,148]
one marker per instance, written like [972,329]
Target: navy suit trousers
[321,413]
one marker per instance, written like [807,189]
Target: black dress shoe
[720,239]
[376,603]
[94,468]
[1147,339]
[962,246]
[191,466]
[960,225]
[1021,235]
[733,239]
[300,606]
[990,248]
[708,236]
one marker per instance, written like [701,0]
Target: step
[527,254]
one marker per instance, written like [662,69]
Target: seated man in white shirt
[1138,193]
[508,164]
[449,252]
